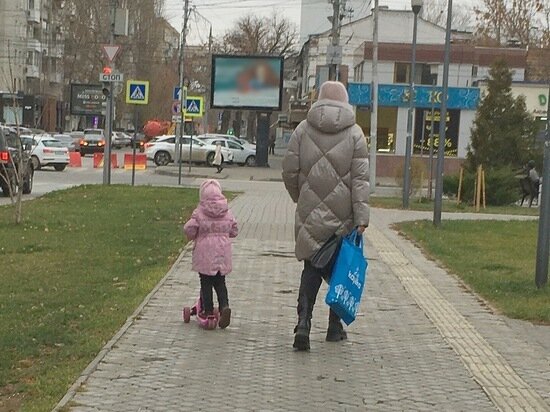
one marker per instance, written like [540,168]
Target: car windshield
[93,132]
[52,143]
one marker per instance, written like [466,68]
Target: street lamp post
[416,7]
[438,202]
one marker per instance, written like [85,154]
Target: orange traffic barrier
[98,160]
[141,161]
[75,160]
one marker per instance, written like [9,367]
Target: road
[47,179]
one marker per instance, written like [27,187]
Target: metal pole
[374,97]
[191,147]
[183,93]
[431,155]
[443,122]
[408,147]
[335,32]
[543,243]
[134,146]
[109,109]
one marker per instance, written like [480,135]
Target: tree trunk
[237,122]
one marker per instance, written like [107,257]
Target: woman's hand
[361,229]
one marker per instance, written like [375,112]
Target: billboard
[247,82]
[87,99]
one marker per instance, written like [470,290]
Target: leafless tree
[435,11]
[511,20]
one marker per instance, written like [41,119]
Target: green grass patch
[79,264]
[449,206]
[496,259]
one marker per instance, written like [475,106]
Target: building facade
[31,73]
[468,65]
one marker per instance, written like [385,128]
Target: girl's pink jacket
[210,226]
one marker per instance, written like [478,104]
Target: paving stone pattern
[397,357]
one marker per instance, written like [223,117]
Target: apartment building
[31,73]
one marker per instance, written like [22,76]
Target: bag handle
[355,237]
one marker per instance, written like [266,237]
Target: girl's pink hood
[212,202]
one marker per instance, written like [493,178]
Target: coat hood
[212,202]
[331,116]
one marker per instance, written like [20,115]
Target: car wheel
[6,186]
[162,158]
[28,181]
[35,163]
[250,160]
[60,168]
[210,159]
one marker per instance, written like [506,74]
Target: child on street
[211,226]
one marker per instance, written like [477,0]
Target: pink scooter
[209,323]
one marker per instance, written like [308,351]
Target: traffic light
[106,88]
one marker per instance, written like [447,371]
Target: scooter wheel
[212,323]
[186,314]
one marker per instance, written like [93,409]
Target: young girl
[210,226]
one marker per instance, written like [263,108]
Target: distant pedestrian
[218,158]
[532,173]
[272,144]
[325,171]
[211,226]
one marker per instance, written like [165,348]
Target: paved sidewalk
[421,342]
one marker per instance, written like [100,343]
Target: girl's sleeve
[191,228]
[234,230]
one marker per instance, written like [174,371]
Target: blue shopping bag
[348,278]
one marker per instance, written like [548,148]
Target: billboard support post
[262,139]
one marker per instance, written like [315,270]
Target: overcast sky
[223,13]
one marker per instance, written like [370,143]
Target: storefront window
[387,124]
[423,136]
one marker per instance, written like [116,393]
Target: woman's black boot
[335,331]
[302,329]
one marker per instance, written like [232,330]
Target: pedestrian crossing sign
[194,106]
[137,92]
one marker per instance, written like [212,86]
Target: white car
[235,139]
[242,155]
[47,151]
[162,150]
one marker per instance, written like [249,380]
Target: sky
[222,14]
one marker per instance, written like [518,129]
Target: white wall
[464,131]
[401,131]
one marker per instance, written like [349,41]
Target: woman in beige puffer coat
[326,172]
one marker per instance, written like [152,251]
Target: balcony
[56,77]
[33,16]
[56,51]
[33,44]
[33,71]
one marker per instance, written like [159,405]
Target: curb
[92,366]
[168,172]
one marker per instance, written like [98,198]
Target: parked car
[242,155]
[77,137]
[92,142]
[162,150]
[67,141]
[242,142]
[12,154]
[121,139]
[47,151]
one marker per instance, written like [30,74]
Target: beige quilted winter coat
[326,172]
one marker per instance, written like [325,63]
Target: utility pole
[374,97]
[183,92]
[335,33]
[109,108]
